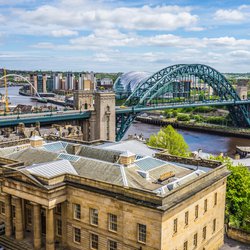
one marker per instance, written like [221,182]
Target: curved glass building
[127,82]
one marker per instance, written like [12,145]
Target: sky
[122,36]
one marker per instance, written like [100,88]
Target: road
[234,245]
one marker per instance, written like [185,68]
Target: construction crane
[7,110]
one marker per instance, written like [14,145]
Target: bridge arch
[26,80]
[157,84]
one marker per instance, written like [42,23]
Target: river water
[209,143]
[15,98]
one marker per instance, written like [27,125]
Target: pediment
[23,177]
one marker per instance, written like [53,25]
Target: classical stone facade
[111,206]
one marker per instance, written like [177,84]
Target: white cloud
[140,18]
[242,13]
[63,32]
[44,45]
[99,40]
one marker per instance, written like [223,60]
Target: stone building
[242,88]
[59,195]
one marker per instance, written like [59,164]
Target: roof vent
[166,176]
[143,174]
[36,141]
[127,158]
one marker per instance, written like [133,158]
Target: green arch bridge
[178,86]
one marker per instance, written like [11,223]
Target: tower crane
[7,110]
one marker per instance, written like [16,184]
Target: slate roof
[108,155]
[98,164]
[32,156]
[52,169]
[134,146]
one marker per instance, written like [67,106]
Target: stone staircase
[12,244]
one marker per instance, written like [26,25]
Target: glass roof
[130,80]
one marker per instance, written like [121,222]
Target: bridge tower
[242,85]
[101,124]
[105,115]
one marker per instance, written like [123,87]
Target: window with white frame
[93,216]
[142,233]
[77,211]
[77,234]
[112,245]
[112,222]
[94,241]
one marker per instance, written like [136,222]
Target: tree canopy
[237,195]
[168,138]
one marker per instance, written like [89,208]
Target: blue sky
[112,36]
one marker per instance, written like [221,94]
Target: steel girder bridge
[182,85]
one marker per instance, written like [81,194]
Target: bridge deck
[47,117]
[179,105]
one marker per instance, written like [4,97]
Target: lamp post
[18,110]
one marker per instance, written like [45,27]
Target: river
[15,98]
[209,143]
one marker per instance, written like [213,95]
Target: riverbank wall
[238,234]
[214,129]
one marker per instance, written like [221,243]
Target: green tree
[168,138]
[237,195]
[183,117]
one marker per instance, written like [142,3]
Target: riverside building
[63,195]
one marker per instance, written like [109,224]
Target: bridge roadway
[179,105]
[50,117]
[45,117]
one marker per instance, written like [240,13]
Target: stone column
[64,223]
[37,226]
[8,216]
[19,219]
[50,229]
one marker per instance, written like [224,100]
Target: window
[185,245]
[214,225]
[186,218]
[204,233]
[215,199]
[93,216]
[77,235]
[77,211]
[113,222]
[2,207]
[142,233]
[175,225]
[29,216]
[195,240]
[59,209]
[94,241]
[59,227]
[196,212]
[112,245]
[13,208]
[205,205]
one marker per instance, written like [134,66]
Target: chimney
[127,158]
[36,141]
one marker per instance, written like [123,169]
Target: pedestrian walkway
[234,245]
